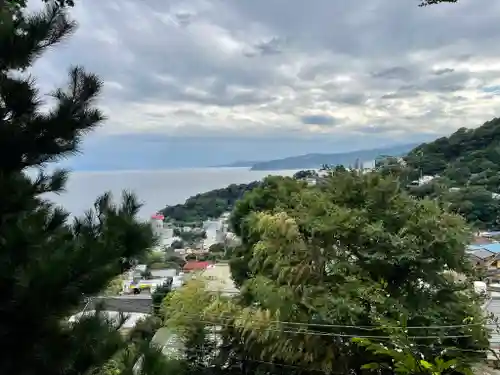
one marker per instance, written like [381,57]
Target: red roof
[195,265]
[158,217]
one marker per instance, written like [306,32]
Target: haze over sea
[155,188]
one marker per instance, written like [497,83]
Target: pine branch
[26,38]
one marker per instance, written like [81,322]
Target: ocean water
[155,189]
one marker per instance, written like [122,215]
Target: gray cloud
[396,72]
[439,72]
[318,120]
[257,66]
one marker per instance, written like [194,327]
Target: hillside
[467,164]
[467,157]
[312,161]
[204,206]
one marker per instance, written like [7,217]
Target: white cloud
[253,66]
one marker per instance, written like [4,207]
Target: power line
[364,328]
[327,334]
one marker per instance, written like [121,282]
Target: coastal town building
[486,257]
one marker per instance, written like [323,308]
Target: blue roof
[493,247]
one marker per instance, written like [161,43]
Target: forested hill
[204,206]
[467,157]
[466,166]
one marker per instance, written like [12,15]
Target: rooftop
[492,247]
[195,265]
[481,253]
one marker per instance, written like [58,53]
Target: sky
[203,82]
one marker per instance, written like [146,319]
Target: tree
[187,314]
[47,264]
[273,192]
[159,295]
[350,259]
[305,174]
[434,2]
[216,248]
[177,244]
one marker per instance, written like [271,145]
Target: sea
[154,188]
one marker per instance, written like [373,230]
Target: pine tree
[49,264]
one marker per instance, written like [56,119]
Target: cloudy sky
[200,82]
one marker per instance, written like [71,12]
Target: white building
[157,224]
[423,180]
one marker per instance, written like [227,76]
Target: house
[479,256]
[486,257]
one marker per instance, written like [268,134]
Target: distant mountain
[311,161]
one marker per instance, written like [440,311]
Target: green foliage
[145,329]
[355,251]
[158,297]
[189,257]
[177,245]
[208,205]
[320,265]
[154,257]
[305,174]
[173,258]
[403,359]
[114,287]
[192,237]
[274,192]
[467,166]
[464,153]
[48,264]
[216,248]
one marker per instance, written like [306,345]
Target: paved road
[134,303]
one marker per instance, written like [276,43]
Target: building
[215,232]
[423,180]
[157,224]
[164,273]
[487,258]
